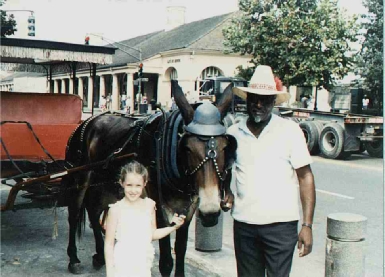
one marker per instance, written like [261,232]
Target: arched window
[211,71]
[173,74]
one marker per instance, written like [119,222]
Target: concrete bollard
[345,245]
[208,239]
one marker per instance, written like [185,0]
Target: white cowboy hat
[262,83]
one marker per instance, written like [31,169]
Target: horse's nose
[209,219]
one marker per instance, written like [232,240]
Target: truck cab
[212,89]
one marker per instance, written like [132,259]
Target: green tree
[307,43]
[245,73]
[370,65]
[8,22]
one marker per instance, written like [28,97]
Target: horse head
[206,152]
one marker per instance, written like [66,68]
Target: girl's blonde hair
[133,167]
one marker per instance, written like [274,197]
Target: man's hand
[228,201]
[305,241]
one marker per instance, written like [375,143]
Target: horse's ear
[180,100]
[225,101]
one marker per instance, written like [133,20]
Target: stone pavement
[223,264]
[27,249]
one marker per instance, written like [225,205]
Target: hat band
[262,86]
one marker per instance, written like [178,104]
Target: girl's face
[133,186]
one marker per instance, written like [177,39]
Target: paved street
[352,186]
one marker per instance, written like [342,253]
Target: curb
[220,264]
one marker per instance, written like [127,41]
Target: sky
[116,20]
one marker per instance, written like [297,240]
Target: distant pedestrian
[145,98]
[103,103]
[108,100]
[304,100]
[123,99]
[153,103]
[365,102]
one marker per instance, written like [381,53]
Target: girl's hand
[178,220]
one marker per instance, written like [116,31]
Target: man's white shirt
[266,184]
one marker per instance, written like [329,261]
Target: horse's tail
[81,220]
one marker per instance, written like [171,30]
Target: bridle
[211,154]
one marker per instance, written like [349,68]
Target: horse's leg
[73,214]
[74,264]
[94,212]
[180,249]
[165,258]
[74,210]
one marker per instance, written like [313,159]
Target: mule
[186,172]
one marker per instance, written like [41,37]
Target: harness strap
[158,172]
[117,151]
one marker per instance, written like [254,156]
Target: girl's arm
[109,240]
[162,232]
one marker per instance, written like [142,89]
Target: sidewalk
[223,264]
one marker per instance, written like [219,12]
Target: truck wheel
[332,141]
[319,126]
[311,134]
[375,148]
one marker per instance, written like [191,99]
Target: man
[123,99]
[365,102]
[271,161]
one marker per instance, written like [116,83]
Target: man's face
[260,107]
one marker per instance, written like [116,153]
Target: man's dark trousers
[260,247]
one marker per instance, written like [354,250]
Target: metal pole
[93,86]
[208,239]
[140,82]
[315,99]
[139,93]
[50,80]
[74,86]
[345,244]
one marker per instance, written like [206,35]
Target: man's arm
[308,200]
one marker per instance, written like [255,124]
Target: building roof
[13,75]
[28,51]
[184,36]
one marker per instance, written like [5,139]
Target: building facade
[183,52]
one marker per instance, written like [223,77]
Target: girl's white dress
[134,252]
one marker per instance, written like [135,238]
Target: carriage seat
[53,118]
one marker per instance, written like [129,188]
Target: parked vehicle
[335,135]
[338,135]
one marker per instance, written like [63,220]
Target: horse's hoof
[75,268]
[97,264]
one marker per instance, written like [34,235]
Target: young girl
[131,221]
